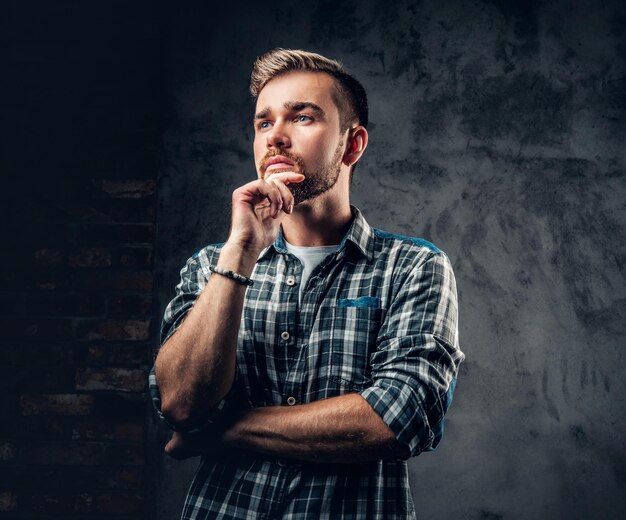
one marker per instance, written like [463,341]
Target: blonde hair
[349,95]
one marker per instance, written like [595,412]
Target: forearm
[196,366]
[339,429]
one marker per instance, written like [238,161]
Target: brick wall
[80,141]
[77,320]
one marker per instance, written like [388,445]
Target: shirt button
[291,281]
[291,400]
[285,335]
[281,463]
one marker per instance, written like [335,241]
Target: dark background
[497,133]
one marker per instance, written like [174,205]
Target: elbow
[176,411]
[183,412]
[173,405]
[183,404]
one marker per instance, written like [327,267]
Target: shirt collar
[360,235]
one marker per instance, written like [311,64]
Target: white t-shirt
[310,257]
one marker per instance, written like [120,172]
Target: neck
[321,222]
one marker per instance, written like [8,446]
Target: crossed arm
[401,414]
[339,429]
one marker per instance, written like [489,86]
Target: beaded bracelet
[232,275]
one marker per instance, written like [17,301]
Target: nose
[278,136]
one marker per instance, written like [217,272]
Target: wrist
[238,258]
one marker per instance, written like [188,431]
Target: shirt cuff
[398,407]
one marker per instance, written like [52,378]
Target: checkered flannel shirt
[378,318]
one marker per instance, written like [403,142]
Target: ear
[357,143]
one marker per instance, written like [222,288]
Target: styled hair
[349,95]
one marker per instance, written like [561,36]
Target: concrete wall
[497,132]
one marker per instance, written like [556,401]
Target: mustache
[295,159]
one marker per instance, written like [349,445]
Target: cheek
[331,150]
[322,148]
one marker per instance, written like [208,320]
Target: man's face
[297,129]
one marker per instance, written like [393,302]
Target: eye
[303,118]
[263,125]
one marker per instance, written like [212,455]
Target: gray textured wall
[497,133]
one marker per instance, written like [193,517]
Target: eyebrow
[293,106]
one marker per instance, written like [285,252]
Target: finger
[260,193]
[285,193]
[287,177]
[273,195]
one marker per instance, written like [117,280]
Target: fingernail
[291,208]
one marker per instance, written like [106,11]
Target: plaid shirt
[379,318]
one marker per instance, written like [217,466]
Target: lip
[279,166]
[278,159]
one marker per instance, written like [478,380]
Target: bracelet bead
[243,280]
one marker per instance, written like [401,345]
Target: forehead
[305,86]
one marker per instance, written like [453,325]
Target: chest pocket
[352,340]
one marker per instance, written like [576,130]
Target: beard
[316,182]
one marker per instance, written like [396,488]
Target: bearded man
[308,357]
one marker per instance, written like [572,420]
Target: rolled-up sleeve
[415,365]
[193,278]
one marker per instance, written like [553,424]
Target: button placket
[290,281]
